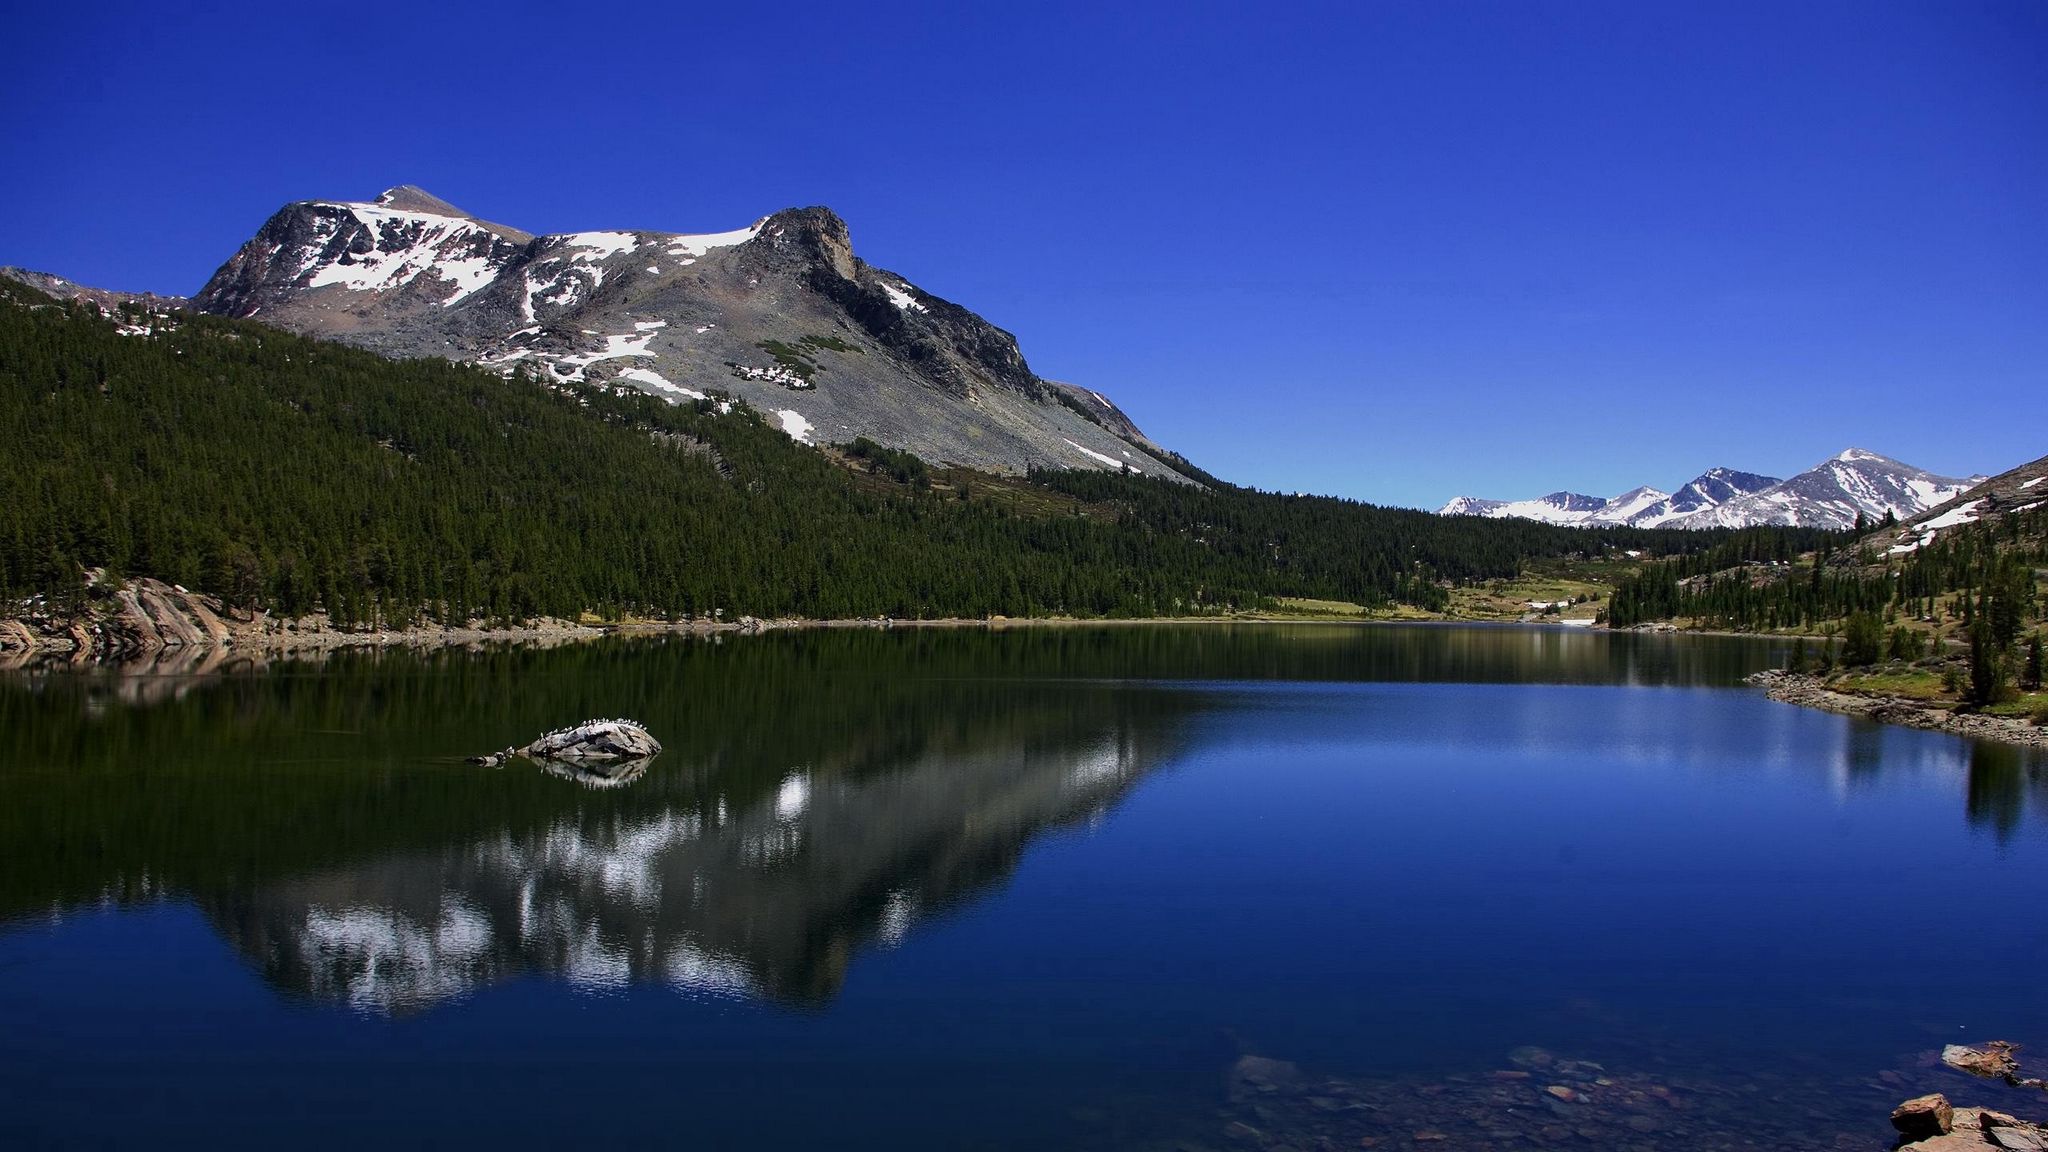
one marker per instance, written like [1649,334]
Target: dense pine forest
[1974,585]
[1749,583]
[295,475]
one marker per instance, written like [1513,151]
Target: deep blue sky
[1392,251]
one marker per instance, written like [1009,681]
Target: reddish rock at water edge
[1974,1130]
[1924,1116]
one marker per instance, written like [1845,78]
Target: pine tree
[1863,640]
[1987,668]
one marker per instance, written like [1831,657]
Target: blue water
[1041,906]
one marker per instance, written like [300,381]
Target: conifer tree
[1987,670]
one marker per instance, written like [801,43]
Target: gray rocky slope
[781,314]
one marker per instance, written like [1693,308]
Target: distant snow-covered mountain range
[1832,494]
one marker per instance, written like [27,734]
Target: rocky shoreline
[1539,1100]
[1813,692]
[145,624]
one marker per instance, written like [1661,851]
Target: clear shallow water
[1015,890]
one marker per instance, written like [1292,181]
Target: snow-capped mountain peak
[1623,509]
[1555,508]
[1830,495]
[1834,493]
[780,313]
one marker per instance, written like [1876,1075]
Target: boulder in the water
[1924,1117]
[595,740]
[590,740]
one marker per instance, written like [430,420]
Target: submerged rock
[592,740]
[1256,1075]
[1994,1060]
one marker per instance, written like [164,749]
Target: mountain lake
[1174,887]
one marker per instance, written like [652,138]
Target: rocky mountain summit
[1832,494]
[780,313]
[105,299]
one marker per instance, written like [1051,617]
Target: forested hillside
[1749,583]
[286,473]
[1973,588]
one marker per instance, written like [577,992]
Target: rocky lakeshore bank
[1814,692]
[146,624]
[142,622]
[1536,1099]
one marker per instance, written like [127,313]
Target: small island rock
[590,740]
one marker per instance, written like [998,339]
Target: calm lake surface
[1030,889]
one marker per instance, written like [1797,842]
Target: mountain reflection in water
[819,794]
[767,894]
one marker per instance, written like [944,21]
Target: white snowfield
[600,245]
[694,246]
[1091,453]
[1965,513]
[899,295]
[649,378]
[799,429]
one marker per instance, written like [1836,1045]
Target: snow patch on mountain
[1092,454]
[799,429]
[694,246]
[648,378]
[405,245]
[594,246]
[1965,513]
[899,295]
